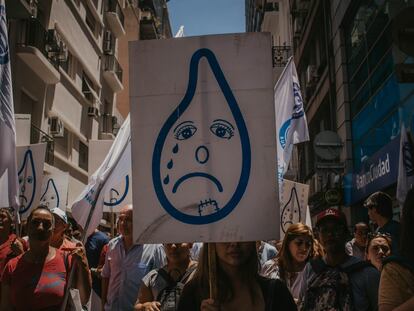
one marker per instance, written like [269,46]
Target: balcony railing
[280,55]
[111,64]
[38,136]
[114,7]
[33,34]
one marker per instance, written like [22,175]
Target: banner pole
[212,270]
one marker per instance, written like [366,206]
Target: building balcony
[115,17]
[281,55]
[148,28]
[40,50]
[21,9]
[112,73]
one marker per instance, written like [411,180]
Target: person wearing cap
[59,239]
[363,282]
[379,205]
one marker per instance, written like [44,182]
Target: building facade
[354,64]
[68,61]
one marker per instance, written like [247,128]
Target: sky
[203,17]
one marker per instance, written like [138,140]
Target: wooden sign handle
[212,270]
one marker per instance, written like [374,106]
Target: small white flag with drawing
[291,124]
[114,168]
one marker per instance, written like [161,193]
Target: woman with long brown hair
[239,286]
[297,248]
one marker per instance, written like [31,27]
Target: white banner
[204,145]
[291,124]
[30,161]
[293,205]
[119,193]
[111,172]
[8,166]
[55,188]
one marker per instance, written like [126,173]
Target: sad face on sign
[201,160]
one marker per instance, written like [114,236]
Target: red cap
[330,212]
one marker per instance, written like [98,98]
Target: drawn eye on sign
[291,213]
[27,182]
[188,183]
[50,197]
[117,197]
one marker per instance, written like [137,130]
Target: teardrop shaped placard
[201,137]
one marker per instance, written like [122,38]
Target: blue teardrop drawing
[51,195]
[212,168]
[27,182]
[115,197]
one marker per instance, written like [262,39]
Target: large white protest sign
[119,193]
[293,204]
[55,188]
[203,139]
[30,162]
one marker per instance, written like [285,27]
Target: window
[368,47]
[83,156]
[90,21]
[69,66]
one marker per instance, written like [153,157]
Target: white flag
[291,124]
[8,167]
[180,32]
[113,168]
[405,167]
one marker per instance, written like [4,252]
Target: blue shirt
[93,246]
[126,269]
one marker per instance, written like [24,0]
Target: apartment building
[69,61]
[354,61]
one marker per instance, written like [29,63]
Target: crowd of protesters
[321,268]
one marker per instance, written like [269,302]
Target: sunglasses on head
[373,235]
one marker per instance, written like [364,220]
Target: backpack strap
[188,273]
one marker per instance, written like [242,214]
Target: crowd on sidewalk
[319,268]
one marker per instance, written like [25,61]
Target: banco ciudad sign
[377,172]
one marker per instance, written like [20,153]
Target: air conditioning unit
[56,127]
[311,75]
[93,112]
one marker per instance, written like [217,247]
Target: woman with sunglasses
[37,279]
[396,290]
[378,248]
[297,249]
[239,286]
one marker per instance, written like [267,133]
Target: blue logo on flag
[297,113]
